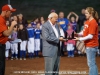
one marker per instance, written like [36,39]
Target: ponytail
[93,12]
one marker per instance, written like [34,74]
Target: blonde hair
[93,12]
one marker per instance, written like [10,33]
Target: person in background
[37,39]
[8,46]
[5,33]
[22,20]
[73,20]
[99,21]
[62,34]
[90,38]
[99,42]
[81,19]
[52,11]
[63,21]
[14,45]
[31,42]
[42,21]
[15,18]
[70,43]
[7,43]
[23,35]
[34,22]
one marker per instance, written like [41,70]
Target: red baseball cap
[8,8]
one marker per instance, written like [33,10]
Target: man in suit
[51,43]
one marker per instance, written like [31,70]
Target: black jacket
[23,34]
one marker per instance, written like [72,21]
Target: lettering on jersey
[85,27]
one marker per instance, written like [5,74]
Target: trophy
[69,36]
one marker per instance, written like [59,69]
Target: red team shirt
[3,27]
[91,27]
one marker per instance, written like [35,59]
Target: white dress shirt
[62,32]
[54,28]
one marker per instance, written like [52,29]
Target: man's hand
[62,39]
[13,23]
[9,31]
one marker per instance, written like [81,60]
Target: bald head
[53,14]
[53,17]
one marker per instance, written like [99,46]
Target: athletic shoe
[69,56]
[36,57]
[11,58]
[16,58]
[72,56]
[20,58]
[24,58]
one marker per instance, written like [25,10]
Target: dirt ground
[68,66]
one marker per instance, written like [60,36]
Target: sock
[68,53]
[24,53]
[32,55]
[16,55]
[37,53]
[20,54]
[72,52]
[12,55]
[29,55]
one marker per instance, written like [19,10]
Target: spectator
[42,20]
[7,43]
[82,18]
[73,20]
[37,39]
[34,22]
[52,10]
[23,35]
[99,21]
[70,43]
[31,42]
[21,20]
[63,21]
[61,43]
[14,45]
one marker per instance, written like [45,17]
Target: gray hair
[52,15]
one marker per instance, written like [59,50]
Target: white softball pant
[31,45]
[14,48]
[23,45]
[37,44]
[8,46]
